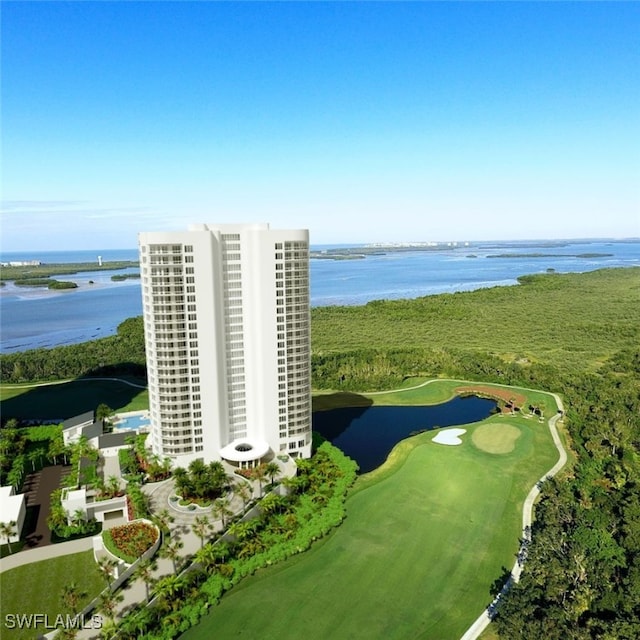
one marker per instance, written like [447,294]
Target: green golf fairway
[425,538]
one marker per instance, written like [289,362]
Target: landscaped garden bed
[129,541]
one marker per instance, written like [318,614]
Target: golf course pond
[367,434]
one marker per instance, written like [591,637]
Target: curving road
[484,619]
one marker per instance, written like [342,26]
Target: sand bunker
[449,436]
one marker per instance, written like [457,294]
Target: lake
[32,318]
[368,434]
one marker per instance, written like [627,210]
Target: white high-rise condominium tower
[227,335]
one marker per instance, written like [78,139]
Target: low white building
[76,501]
[13,508]
[81,426]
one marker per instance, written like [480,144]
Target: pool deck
[119,418]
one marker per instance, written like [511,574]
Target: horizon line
[382,243]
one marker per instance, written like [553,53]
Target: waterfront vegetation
[576,334]
[45,282]
[569,321]
[64,268]
[119,277]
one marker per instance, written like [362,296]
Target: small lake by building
[367,434]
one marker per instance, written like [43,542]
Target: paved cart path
[484,619]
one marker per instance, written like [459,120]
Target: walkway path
[38,488]
[27,556]
[135,591]
[484,619]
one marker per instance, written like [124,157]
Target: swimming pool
[132,423]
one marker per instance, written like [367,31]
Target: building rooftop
[10,504]
[113,440]
[79,420]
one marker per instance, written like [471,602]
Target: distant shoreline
[551,255]
[44,270]
[319,250]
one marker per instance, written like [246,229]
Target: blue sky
[360,121]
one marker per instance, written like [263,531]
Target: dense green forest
[573,322]
[576,334]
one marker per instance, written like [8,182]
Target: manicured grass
[496,438]
[68,399]
[426,536]
[37,588]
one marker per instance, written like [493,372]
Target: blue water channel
[367,434]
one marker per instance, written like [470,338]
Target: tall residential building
[227,335]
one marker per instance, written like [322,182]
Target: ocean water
[32,318]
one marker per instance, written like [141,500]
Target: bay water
[33,318]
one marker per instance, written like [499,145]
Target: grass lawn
[37,588]
[68,399]
[426,536]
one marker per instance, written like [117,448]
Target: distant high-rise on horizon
[227,337]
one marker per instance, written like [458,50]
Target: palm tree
[273,503]
[78,517]
[108,602]
[221,509]
[542,407]
[107,567]
[71,597]
[171,550]
[103,411]
[7,531]
[113,486]
[291,484]
[260,475]
[165,466]
[32,456]
[244,491]
[168,588]
[250,547]
[217,473]
[14,477]
[201,527]
[181,481]
[163,519]
[136,623]
[142,453]
[108,629]
[242,531]
[214,556]
[207,556]
[144,571]
[272,469]
[197,468]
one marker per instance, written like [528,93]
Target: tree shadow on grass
[498,584]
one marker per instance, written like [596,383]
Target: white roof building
[12,509]
[227,333]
